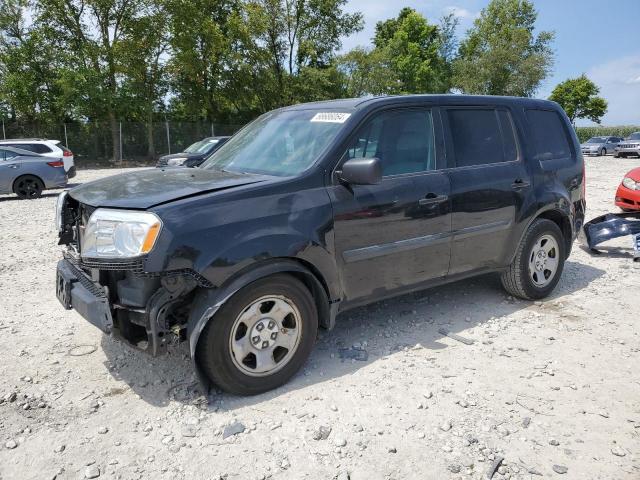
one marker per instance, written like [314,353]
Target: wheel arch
[563,221]
[208,301]
[37,177]
[557,215]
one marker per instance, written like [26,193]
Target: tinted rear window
[549,137]
[32,147]
[481,136]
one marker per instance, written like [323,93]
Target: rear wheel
[261,337]
[28,187]
[538,264]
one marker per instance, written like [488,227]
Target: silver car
[27,174]
[600,145]
[629,146]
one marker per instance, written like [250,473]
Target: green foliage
[410,55]
[501,54]
[585,133]
[94,63]
[579,98]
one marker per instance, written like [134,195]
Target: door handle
[519,183]
[431,198]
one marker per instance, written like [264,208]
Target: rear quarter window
[41,148]
[549,136]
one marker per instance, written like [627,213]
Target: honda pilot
[317,208]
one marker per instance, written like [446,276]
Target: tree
[579,99]
[413,46]
[501,54]
[144,68]
[300,35]
[30,85]
[94,33]
[409,56]
[367,72]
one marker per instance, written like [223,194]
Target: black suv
[317,208]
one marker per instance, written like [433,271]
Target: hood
[634,174]
[146,188]
[591,145]
[182,155]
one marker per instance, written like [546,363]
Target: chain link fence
[92,143]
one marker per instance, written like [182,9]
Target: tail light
[57,163]
[68,153]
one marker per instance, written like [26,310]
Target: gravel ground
[552,388]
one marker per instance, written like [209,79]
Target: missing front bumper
[609,226]
[76,291]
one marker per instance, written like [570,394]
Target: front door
[489,185]
[395,234]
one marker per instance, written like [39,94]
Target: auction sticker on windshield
[330,117]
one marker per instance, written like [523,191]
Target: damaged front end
[609,226]
[149,310]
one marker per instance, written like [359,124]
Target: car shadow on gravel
[379,329]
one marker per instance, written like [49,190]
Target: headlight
[630,183]
[59,205]
[176,161]
[120,233]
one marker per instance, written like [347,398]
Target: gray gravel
[545,386]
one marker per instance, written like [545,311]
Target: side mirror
[361,171]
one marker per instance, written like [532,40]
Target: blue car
[27,174]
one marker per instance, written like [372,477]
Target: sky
[600,39]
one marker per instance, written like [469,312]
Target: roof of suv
[23,140]
[357,103]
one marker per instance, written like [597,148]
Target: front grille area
[136,267]
[86,283]
[629,145]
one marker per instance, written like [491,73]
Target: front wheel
[261,337]
[603,152]
[538,264]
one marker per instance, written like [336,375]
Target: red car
[628,194]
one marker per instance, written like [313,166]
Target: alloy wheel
[265,336]
[543,260]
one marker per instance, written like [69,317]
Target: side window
[481,136]
[24,146]
[7,154]
[403,141]
[549,136]
[39,148]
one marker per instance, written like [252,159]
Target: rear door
[9,169]
[489,184]
[393,235]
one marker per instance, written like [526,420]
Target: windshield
[281,143]
[597,140]
[201,146]
[634,136]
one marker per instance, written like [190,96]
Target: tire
[529,283]
[238,322]
[603,152]
[28,187]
